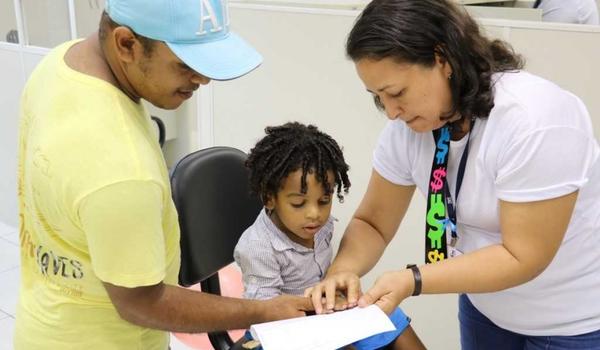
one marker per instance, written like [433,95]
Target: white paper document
[322,332]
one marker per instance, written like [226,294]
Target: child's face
[301,215]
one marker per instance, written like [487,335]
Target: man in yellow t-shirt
[99,231]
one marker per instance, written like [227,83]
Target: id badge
[452,250]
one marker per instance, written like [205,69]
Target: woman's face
[416,94]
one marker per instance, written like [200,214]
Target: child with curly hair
[296,170]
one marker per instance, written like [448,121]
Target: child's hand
[324,294]
[341,303]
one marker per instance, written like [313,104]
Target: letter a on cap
[207,13]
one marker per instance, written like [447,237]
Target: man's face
[162,79]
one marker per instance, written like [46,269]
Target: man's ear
[127,46]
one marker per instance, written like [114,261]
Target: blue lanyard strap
[451,204]
[441,209]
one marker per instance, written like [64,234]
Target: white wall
[7,18]
[87,14]
[46,22]
[11,72]
[512,13]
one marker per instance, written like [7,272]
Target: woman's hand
[324,293]
[389,290]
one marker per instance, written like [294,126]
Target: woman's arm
[372,227]
[531,235]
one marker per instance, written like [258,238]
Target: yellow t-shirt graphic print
[95,206]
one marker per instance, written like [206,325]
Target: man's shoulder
[68,76]
[86,57]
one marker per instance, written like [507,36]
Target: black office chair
[210,191]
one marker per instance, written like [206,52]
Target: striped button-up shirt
[272,264]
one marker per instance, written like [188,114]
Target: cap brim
[223,59]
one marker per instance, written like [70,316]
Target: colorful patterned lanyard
[441,209]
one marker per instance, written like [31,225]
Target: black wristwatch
[417,276]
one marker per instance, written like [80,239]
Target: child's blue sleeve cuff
[400,321]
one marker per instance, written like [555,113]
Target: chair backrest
[212,197]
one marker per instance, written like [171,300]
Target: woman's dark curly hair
[291,147]
[414,31]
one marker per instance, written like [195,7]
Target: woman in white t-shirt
[521,241]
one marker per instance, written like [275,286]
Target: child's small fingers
[330,296]
[353,292]
[317,299]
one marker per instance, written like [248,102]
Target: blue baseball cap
[197,31]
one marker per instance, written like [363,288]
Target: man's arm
[124,230]
[178,309]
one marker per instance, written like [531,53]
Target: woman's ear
[442,62]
